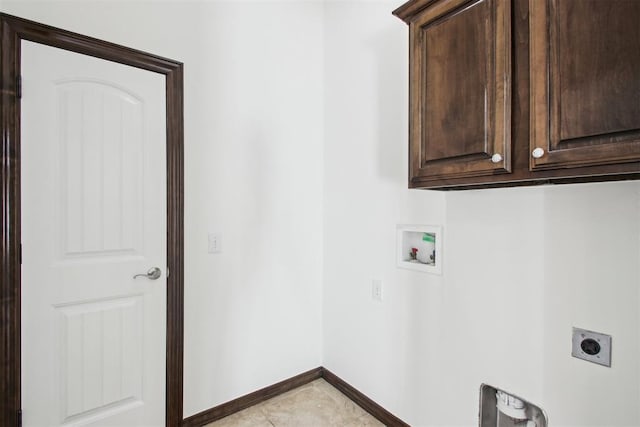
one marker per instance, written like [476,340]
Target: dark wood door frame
[12,31]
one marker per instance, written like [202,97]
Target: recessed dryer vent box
[499,408]
[420,248]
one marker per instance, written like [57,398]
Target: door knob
[496,158]
[537,153]
[153,274]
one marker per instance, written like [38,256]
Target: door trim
[12,31]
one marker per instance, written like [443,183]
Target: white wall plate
[591,346]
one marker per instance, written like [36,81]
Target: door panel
[93,216]
[585,91]
[593,69]
[101,355]
[102,141]
[456,85]
[460,90]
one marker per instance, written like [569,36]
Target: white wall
[296,130]
[592,281]
[253,171]
[521,265]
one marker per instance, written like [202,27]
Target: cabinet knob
[537,153]
[496,158]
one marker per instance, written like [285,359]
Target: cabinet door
[585,82]
[460,90]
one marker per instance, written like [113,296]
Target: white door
[93,216]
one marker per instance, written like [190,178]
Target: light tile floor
[316,404]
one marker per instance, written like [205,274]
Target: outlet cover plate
[215,243]
[376,290]
[601,357]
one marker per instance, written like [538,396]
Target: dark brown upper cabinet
[585,82]
[460,89]
[522,92]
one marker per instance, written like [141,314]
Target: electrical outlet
[376,290]
[215,243]
[591,346]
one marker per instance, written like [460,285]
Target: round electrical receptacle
[590,346]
